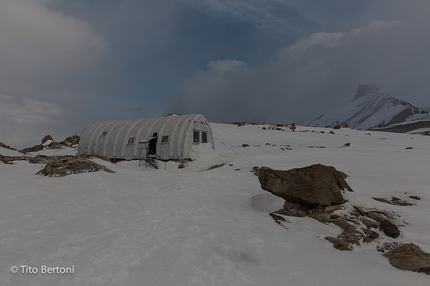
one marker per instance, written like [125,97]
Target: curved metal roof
[124,139]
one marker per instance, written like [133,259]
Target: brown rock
[389,228]
[370,233]
[376,217]
[46,138]
[339,243]
[71,141]
[35,148]
[40,159]
[311,186]
[360,210]
[410,258]
[66,165]
[370,223]
[331,209]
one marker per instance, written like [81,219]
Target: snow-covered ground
[193,226]
[9,152]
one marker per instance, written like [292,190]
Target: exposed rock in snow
[67,165]
[371,108]
[410,257]
[47,139]
[316,185]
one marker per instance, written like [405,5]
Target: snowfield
[193,226]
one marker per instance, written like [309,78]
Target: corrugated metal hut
[175,136]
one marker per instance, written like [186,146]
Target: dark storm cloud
[65,64]
[319,72]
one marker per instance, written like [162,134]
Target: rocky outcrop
[409,257]
[46,138]
[49,143]
[313,186]
[67,165]
[35,148]
[10,159]
[71,141]
[315,192]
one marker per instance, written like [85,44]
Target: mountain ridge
[371,108]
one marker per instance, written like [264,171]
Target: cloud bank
[48,60]
[317,73]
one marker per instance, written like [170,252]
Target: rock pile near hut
[66,165]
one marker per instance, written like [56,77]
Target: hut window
[130,140]
[204,137]
[196,136]
[165,139]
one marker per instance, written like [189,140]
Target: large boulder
[316,185]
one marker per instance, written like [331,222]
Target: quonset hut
[172,137]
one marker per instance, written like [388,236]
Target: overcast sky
[66,64]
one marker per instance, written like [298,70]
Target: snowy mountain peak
[371,108]
[366,89]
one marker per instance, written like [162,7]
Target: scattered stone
[331,132]
[370,233]
[240,123]
[346,144]
[389,228]
[216,166]
[376,217]
[386,246]
[415,197]
[316,146]
[394,201]
[368,134]
[245,145]
[292,126]
[409,148]
[256,171]
[339,243]
[337,127]
[277,217]
[310,186]
[370,223]
[360,210]
[410,258]
[331,209]
[181,166]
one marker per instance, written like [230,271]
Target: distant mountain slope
[371,108]
[414,127]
